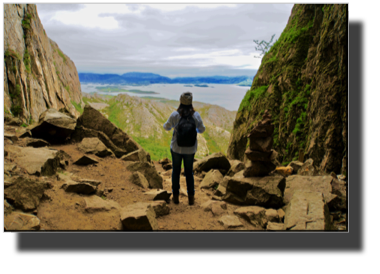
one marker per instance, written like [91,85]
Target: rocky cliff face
[37,74]
[302,81]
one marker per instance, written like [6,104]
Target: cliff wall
[303,81]
[37,74]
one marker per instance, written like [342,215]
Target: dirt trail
[66,211]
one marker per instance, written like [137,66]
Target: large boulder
[258,168]
[322,184]
[139,216]
[54,126]
[149,171]
[21,221]
[25,193]
[91,122]
[212,179]
[214,161]
[94,146]
[36,161]
[261,191]
[307,211]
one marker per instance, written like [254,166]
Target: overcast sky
[168,39]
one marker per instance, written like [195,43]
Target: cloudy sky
[168,39]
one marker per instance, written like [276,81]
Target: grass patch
[156,151]
[252,94]
[77,106]
[27,61]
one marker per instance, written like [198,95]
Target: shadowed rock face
[37,74]
[302,81]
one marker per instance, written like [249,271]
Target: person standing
[187,123]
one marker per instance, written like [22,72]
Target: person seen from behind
[187,123]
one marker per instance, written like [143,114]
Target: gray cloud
[154,40]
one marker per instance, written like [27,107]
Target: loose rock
[139,216]
[212,179]
[21,221]
[230,221]
[85,160]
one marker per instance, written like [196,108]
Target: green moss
[60,53]
[16,110]
[27,60]
[26,22]
[77,106]
[12,53]
[252,94]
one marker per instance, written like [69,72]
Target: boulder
[207,206]
[78,187]
[36,161]
[138,155]
[230,221]
[167,166]
[54,126]
[213,161]
[85,160]
[222,187]
[160,208]
[160,194]
[31,142]
[25,193]
[11,136]
[164,161]
[296,165]
[138,179]
[149,171]
[212,179]
[253,214]
[95,204]
[258,155]
[261,144]
[94,146]
[261,191]
[307,211]
[308,169]
[275,226]
[284,171]
[216,209]
[236,166]
[310,184]
[139,216]
[21,221]
[258,168]
[271,215]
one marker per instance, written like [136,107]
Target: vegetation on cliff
[302,80]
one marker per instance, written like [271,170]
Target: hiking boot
[191,200]
[176,198]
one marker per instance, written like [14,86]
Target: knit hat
[186,98]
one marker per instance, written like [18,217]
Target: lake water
[227,96]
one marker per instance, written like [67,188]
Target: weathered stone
[54,126]
[158,195]
[258,155]
[222,187]
[296,165]
[275,226]
[253,214]
[25,134]
[21,221]
[139,216]
[261,191]
[284,171]
[36,161]
[94,146]
[271,215]
[307,211]
[230,221]
[281,214]
[167,166]
[11,136]
[261,144]
[308,169]
[212,179]
[7,208]
[96,204]
[90,181]
[213,161]
[236,166]
[149,172]
[207,206]
[85,160]
[164,161]
[308,183]
[160,208]
[258,168]
[25,193]
[217,209]
[138,179]
[137,155]
[78,187]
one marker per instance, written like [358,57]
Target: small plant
[104,197]
[24,125]
[27,61]
[263,46]
[26,21]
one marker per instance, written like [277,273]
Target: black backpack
[186,131]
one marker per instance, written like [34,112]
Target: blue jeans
[188,160]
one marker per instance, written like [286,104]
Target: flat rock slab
[94,146]
[85,160]
[21,221]
[36,161]
[307,211]
[25,193]
[212,179]
[97,204]
[139,216]
[230,221]
[207,206]
[30,142]
[139,179]
[78,187]
[260,191]
[158,195]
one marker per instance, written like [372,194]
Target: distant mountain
[142,78]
